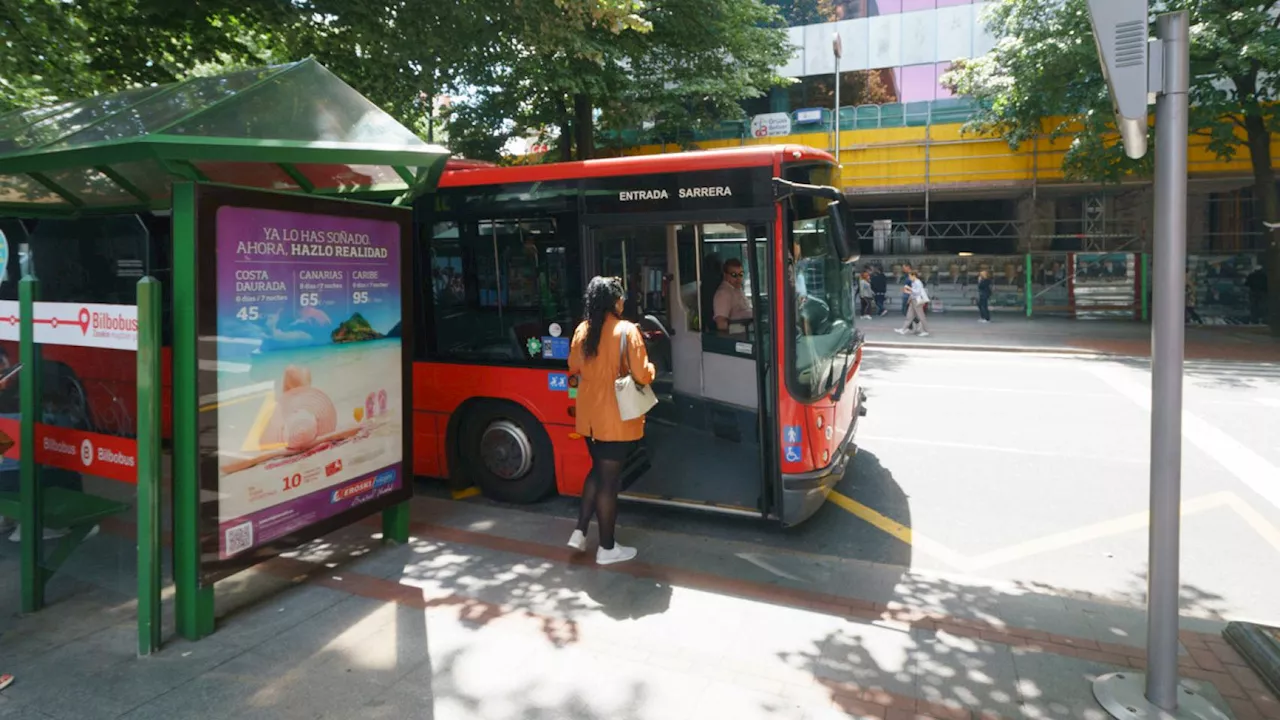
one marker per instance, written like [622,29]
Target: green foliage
[1044,76]
[514,65]
[684,64]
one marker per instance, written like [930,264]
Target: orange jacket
[597,410]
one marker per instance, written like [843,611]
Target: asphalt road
[1033,469]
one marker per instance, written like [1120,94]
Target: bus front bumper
[803,493]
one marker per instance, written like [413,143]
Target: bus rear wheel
[508,453]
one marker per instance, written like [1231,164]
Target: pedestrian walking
[905,282]
[984,295]
[1257,284]
[1190,299]
[866,296]
[596,356]
[915,309]
[880,287]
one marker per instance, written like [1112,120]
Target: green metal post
[1146,287]
[31,518]
[1030,294]
[395,524]
[193,603]
[149,468]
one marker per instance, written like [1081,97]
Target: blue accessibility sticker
[558,382]
[791,434]
[791,453]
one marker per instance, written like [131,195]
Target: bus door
[703,441]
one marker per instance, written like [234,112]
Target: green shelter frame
[294,128]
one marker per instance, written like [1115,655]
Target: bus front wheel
[508,453]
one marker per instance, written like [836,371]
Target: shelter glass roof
[295,127]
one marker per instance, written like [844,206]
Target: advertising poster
[309,372]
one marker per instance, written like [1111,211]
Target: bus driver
[731,304]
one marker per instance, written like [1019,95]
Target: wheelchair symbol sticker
[792,453]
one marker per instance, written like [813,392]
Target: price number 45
[248,313]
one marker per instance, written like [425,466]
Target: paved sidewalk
[485,614]
[1016,332]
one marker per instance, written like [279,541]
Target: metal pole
[1170,267]
[837,50]
[150,392]
[30,402]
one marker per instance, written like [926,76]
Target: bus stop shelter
[295,129]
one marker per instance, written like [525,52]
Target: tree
[681,64]
[1044,77]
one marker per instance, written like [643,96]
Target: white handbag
[634,399]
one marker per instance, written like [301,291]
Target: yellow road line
[465,493]
[1056,541]
[251,443]
[233,401]
[1095,531]
[1259,523]
[898,530]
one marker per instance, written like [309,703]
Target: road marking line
[465,493]
[1096,531]
[1056,541]
[864,439]
[252,440]
[1259,523]
[1249,467]
[872,384]
[898,530]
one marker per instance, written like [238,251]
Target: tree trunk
[583,126]
[566,140]
[1268,208]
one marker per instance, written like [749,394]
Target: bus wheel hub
[506,450]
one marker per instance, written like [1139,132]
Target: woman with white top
[915,308]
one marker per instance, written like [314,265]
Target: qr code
[239,538]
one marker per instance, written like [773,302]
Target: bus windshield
[823,289]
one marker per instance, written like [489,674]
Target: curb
[1030,349]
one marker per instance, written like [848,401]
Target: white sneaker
[984,321]
[618,553]
[578,541]
[923,333]
[49,533]
[900,331]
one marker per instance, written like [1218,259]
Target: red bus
[756,418]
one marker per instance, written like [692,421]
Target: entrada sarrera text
[687,191]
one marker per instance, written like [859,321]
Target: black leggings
[600,493]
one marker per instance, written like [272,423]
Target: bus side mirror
[845,247]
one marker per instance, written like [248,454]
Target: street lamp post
[837,49]
[1139,69]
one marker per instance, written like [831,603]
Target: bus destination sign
[690,191]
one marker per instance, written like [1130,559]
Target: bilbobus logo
[86,452]
[114,322]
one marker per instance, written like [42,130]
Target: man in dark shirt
[1257,284]
[880,287]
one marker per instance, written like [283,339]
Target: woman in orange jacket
[595,356]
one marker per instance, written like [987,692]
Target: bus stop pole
[149,464]
[31,517]
[1167,337]
[193,602]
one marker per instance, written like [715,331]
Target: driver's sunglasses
[736,274]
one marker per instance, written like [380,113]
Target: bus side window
[499,286]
